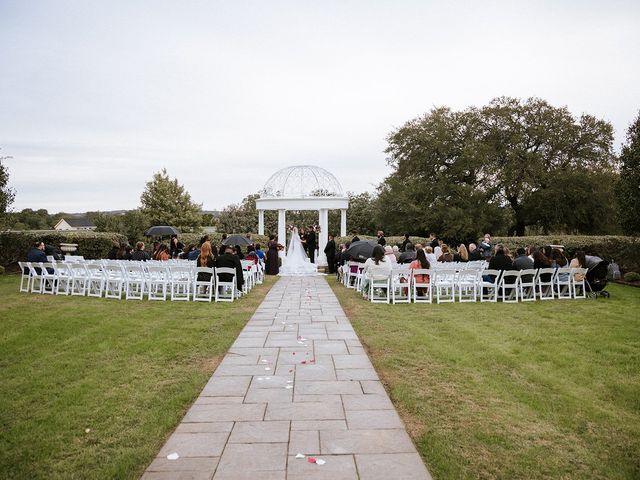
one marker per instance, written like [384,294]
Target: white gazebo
[303,187]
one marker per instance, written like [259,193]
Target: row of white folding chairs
[449,285]
[133,279]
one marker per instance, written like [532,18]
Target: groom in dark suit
[311,243]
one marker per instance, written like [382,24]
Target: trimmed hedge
[14,246]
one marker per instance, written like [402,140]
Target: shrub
[631,277]
[14,246]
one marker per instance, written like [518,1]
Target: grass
[540,390]
[91,388]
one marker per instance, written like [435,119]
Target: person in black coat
[330,252]
[311,244]
[36,255]
[229,260]
[381,239]
[403,247]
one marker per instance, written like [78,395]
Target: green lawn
[540,390]
[91,388]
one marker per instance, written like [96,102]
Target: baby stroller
[597,277]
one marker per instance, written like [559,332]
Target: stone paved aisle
[296,380]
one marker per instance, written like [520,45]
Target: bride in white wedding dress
[297,262]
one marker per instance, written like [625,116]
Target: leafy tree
[166,202]
[629,185]
[132,223]
[7,194]
[508,165]
[28,219]
[361,213]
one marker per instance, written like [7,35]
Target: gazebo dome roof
[302,181]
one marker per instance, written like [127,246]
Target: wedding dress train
[297,262]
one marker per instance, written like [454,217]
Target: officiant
[310,239]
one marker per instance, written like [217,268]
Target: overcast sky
[96,96]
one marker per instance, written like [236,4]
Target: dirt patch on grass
[207,364]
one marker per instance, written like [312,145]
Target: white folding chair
[96,280]
[157,282]
[527,284]
[48,275]
[203,289]
[422,291]
[114,281]
[563,283]
[545,283]
[35,272]
[79,280]
[379,290]
[509,282]
[64,280]
[25,279]
[579,284]
[225,289]
[467,284]
[351,272]
[180,282]
[400,285]
[135,281]
[489,285]
[444,283]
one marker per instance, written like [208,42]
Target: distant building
[75,223]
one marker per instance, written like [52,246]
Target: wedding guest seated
[396,252]
[388,253]
[421,262]
[344,255]
[259,252]
[500,261]
[431,257]
[36,255]
[474,253]
[238,252]
[446,255]
[558,259]
[541,261]
[114,252]
[139,254]
[154,250]
[579,261]
[251,254]
[162,253]
[405,242]
[128,251]
[206,259]
[522,261]
[462,255]
[175,247]
[229,260]
[485,244]
[409,254]
[375,268]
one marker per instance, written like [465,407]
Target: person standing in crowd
[330,252]
[405,242]
[434,241]
[273,260]
[381,239]
[175,247]
[486,245]
[139,254]
[311,244]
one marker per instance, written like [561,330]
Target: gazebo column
[343,222]
[260,222]
[282,230]
[323,215]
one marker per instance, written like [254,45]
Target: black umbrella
[362,249]
[161,231]
[237,240]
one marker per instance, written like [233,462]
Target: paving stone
[186,475]
[268,381]
[218,413]
[318,398]
[318,425]
[202,400]
[352,361]
[357,374]
[304,441]
[269,395]
[315,372]
[243,370]
[366,402]
[249,342]
[337,467]
[304,411]
[226,386]
[374,387]
[328,387]
[240,360]
[330,347]
[195,444]
[365,441]
[260,432]
[247,458]
[399,466]
[204,427]
[373,419]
